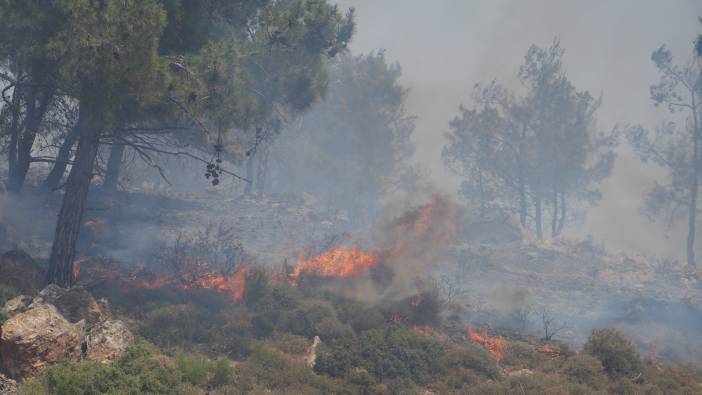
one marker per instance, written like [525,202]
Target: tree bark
[114,165]
[71,214]
[561,220]
[37,105]
[554,218]
[694,186]
[14,132]
[521,182]
[248,189]
[537,214]
[52,181]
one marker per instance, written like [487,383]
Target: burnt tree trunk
[114,165]
[51,183]
[70,216]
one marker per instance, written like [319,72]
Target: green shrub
[222,372]
[257,286]
[616,353]
[291,344]
[359,316]
[194,368]
[176,325]
[139,371]
[387,353]
[521,355]
[7,292]
[585,369]
[475,358]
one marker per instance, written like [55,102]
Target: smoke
[447,46]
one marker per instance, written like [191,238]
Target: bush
[475,358]
[6,293]
[291,344]
[222,372]
[585,369]
[140,370]
[386,353]
[194,368]
[176,325]
[616,353]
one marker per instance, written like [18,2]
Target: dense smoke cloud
[447,46]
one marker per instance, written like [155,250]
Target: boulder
[107,341]
[74,304]
[7,386]
[19,270]
[39,337]
[17,304]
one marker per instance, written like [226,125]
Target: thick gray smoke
[446,46]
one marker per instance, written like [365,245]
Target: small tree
[677,148]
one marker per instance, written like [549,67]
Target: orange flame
[340,262]
[233,286]
[495,345]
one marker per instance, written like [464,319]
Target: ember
[495,345]
[547,349]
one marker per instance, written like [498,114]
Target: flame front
[233,286]
[340,262]
[495,345]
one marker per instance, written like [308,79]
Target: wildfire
[495,345]
[340,262]
[233,286]
[552,352]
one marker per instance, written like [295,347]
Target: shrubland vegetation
[262,345]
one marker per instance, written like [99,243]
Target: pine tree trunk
[537,214]
[521,181]
[34,116]
[14,132]
[52,181]
[561,221]
[248,189]
[694,187]
[70,216]
[554,218]
[114,165]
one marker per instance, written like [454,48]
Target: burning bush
[617,354]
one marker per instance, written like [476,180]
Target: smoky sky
[446,46]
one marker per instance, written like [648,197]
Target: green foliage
[616,353]
[291,344]
[475,358]
[257,286]
[585,369]
[361,317]
[176,325]
[7,292]
[386,353]
[140,370]
[194,368]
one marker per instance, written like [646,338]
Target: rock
[7,386]
[37,338]
[17,304]
[19,270]
[520,373]
[75,304]
[107,341]
[311,358]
